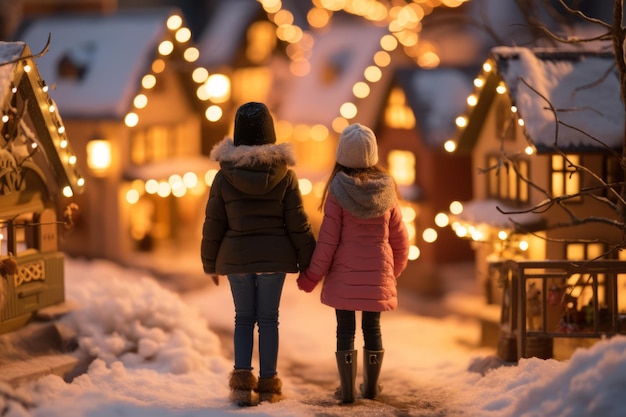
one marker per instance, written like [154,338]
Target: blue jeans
[257,299]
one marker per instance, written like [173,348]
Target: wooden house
[545,130]
[243,51]
[39,177]
[133,94]
[416,119]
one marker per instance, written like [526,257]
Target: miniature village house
[38,178]
[135,108]
[418,117]
[542,125]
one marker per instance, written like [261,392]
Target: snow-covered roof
[115,49]
[436,96]
[225,31]
[582,87]
[339,57]
[19,75]
[495,214]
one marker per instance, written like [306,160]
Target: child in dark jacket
[255,231]
[361,250]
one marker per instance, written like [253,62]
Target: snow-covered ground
[160,353]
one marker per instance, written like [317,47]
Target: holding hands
[307,281]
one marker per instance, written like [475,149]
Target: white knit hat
[357,147]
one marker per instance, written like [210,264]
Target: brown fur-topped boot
[270,389]
[241,385]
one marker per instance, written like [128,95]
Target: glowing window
[402,166]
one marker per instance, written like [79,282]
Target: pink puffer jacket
[360,257]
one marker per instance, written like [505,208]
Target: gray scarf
[365,198]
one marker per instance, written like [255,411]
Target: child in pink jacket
[361,250]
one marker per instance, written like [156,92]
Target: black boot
[372,362]
[346,364]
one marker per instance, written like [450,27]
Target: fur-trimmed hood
[253,169]
[364,198]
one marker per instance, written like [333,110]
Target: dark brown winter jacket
[255,220]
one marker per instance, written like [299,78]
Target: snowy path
[162,354]
[307,364]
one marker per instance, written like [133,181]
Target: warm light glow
[479,82]
[414,252]
[183,35]
[209,176]
[131,119]
[339,124]
[523,245]
[402,166]
[99,157]
[461,121]
[218,88]
[382,58]
[411,230]
[191,54]
[503,235]
[67,191]
[200,75]
[501,89]
[213,113]
[472,100]
[148,81]
[319,132]
[477,236]
[318,17]
[529,150]
[158,65]
[301,132]
[487,67]
[348,110]
[284,129]
[190,179]
[442,219]
[450,146]
[152,186]
[361,89]
[520,122]
[174,22]
[164,189]
[429,235]
[373,74]
[456,207]
[140,101]
[388,42]
[166,47]
[408,214]
[429,60]
[132,196]
[305,185]
[461,231]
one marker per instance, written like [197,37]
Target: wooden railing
[600,317]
